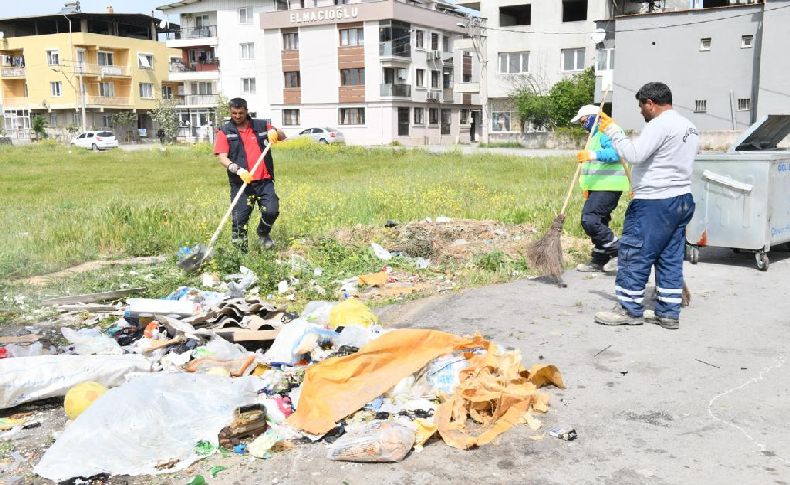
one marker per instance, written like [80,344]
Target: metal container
[743,194]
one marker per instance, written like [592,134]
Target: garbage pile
[177,379]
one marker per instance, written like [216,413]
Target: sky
[13,8]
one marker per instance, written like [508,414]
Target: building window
[744,104]
[349,37]
[515,15]
[434,42]
[446,43]
[56,88]
[53,120]
[419,116]
[467,77]
[704,44]
[290,117]
[605,60]
[202,87]
[145,61]
[464,119]
[167,92]
[701,106]
[53,58]
[352,77]
[281,4]
[247,50]
[446,117]
[574,10]
[245,15]
[513,62]
[573,59]
[419,77]
[146,90]
[106,121]
[746,41]
[107,90]
[433,116]
[248,85]
[291,41]
[351,116]
[105,58]
[292,79]
[435,79]
[500,121]
[419,39]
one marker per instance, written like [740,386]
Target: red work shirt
[251,148]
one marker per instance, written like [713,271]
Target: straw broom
[545,254]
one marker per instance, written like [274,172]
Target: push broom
[545,254]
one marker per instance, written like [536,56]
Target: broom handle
[586,147]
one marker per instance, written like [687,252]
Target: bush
[559,106]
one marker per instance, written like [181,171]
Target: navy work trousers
[653,235]
[596,215]
[260,192]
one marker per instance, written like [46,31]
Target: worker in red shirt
[238,146]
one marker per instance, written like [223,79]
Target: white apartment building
[540,41]
[380,71]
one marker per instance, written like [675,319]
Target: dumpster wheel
[692,253]
[762,260]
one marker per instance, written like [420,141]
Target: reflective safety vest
[606,174]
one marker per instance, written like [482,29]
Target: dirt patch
[43,280]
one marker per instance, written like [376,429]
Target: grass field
[63,206]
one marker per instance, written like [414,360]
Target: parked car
[95,140]
[323,135]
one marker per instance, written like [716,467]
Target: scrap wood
[87,307]
[158,344]
[242,335]
[92,297]
[236,367]
[337,387]
[20,339]
[496,392]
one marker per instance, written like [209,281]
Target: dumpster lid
[765,134]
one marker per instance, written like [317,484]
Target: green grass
[64,206]
[502,144]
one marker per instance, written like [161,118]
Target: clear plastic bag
[90,341]
[377,441]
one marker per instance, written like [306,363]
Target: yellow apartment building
[78,69]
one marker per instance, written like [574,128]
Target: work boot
[617,316]
[589,267]
[610,266]
[668,323]
[266,242]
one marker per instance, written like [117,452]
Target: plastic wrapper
[90,341]
[317,312]
[377,441]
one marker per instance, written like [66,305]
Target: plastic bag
[26,379]
[318,312]
[377,441]
[16,350]
[284,346]
[90,341]
[221,349]
[444,372]
[246,279]
[147,426]
[380,252]
[351,312]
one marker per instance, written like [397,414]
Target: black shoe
[266,242]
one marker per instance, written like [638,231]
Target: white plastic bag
[26,379]
[221,349]
[377,441]
[318,312]
[380,252]
[90,341]
[152,420]
[283,347]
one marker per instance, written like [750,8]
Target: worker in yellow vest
[603,180]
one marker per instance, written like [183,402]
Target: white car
[95,140]
[323,135]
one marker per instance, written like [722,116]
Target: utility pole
[74,62]
[476,29]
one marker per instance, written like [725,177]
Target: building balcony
[12,72]
[206,35]
[396,90]
[472,88]
[432,56]
[202,66]
[101,70]
[14,102]
[199,71]
[198,100]
[390,49]
[107,100]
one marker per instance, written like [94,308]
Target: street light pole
[476,28]
[74,72]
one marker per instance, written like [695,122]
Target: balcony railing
[20,101]
[101,70]
[202,66]
[198,99]
[391,49]
[107,100]
[396,90]
[12,72]
[194,33]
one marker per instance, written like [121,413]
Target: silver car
[323,135]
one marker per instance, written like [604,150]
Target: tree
[122,121]
[531,104]
[39,125]
[166,117]
[557,107]
[223,110]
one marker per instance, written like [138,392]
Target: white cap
[586,110]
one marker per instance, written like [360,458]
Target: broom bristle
[545,254]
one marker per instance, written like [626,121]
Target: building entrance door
[403,121]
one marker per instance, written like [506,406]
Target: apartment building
[536,42]
[213,32]
[77,69]
[380,71]
[726,63]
